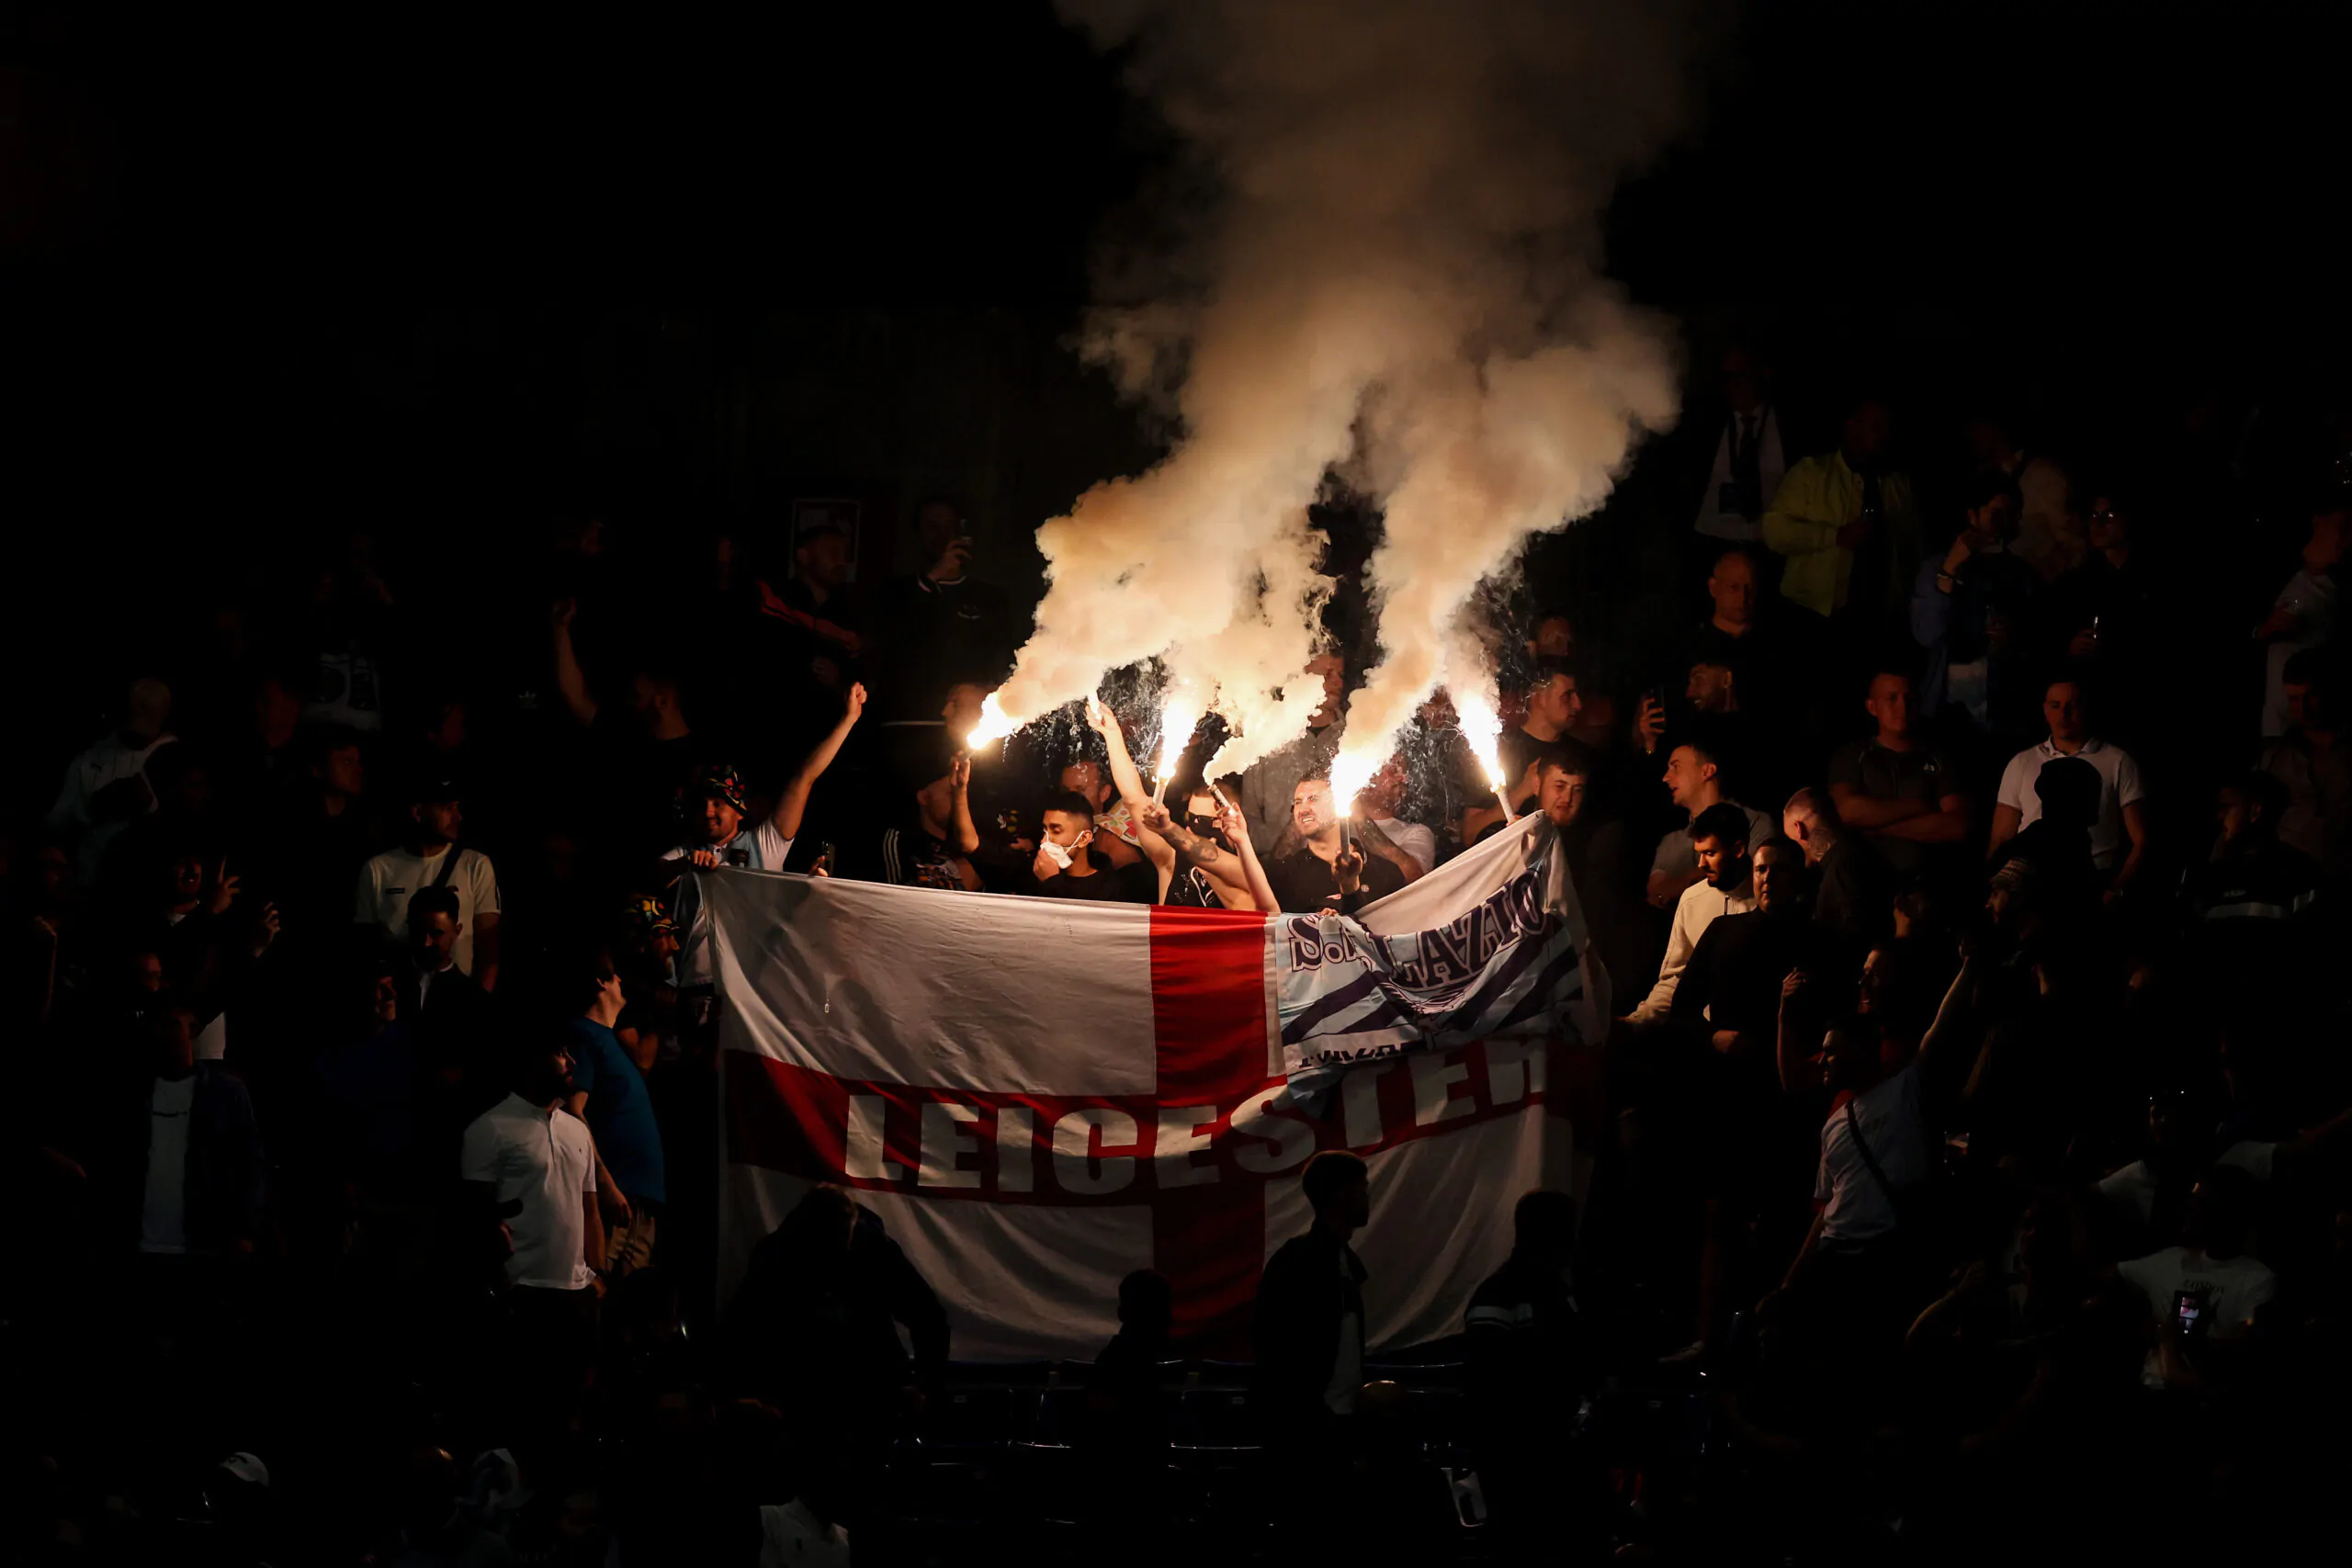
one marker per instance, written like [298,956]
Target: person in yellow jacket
[1848,526]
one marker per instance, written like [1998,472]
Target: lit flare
[1482,729]
[1350,775]
[995,724]
[1177,719]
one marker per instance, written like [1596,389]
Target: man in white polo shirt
[527,1150]
[2120,836]
[534,1162]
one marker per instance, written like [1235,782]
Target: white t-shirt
[390,880]
[791,1536]
[1855,1206]
[2233,1288]
[2119,786]
[1412,838]
[758,848]
[162,1220]
[547,1159]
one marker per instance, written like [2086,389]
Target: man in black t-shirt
[1541,737]
[1067,867]
[1327,872]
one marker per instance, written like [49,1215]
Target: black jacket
[225,1167]
[1524,1346]
[813,1323]
[1851,895]
[1735,973]
[1308,1289]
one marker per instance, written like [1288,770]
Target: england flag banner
[1038,1096]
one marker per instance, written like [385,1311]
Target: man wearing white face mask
[1067,867]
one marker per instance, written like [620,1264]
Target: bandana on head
[717,782]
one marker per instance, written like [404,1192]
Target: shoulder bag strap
[1862,1148]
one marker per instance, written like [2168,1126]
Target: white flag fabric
[1038,1096]
[1490,946]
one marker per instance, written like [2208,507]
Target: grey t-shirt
[1923,772]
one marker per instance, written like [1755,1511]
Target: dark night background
[444,275]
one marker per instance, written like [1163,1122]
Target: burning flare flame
[1178,718]
[1482,729]
[1350,771]
[995,724]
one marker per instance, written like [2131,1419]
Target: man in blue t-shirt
[608,1093]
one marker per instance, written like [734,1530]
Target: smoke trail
[1394,280]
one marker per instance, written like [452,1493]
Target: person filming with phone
[2203,1293]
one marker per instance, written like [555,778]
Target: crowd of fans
[1966,858]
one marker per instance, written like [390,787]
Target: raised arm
[1788,1050]
[1951,1018]
[1206,854]
[570,679]
[1237,828]
[1128,782]
[1124,776]
[967,836]
[792,805]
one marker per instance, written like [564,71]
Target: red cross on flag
[1038,1096]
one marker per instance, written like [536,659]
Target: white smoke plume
[1394,280]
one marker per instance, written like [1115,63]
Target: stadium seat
[1227,1374]
[961,1417]
[1415,1374]
[1005,1374]
[1046,1470]
[1058,1419]
[1435,1415]
[1218,1419]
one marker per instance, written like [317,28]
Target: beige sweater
[1697,908]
